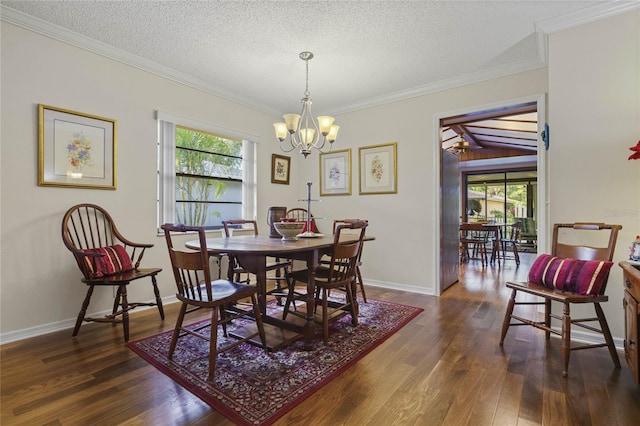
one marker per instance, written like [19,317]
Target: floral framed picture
[280,165]
[378,169]
[75,149]
[335,173]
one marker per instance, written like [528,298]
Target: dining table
[252,251]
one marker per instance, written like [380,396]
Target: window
[503,197]
[205,174]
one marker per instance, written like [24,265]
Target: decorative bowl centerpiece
[288,230]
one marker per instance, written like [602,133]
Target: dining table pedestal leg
[280,332]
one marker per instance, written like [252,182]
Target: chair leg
[157,294]
[213,342]
[83,311]
[566,338]
[353,303]
[125,311]
[176,330]
[116,301]
[361,284]
[325,315]
[259,324]
[507,316]
[547,318]
[223,319]
[515,254]
[607,335]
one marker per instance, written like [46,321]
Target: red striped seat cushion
[571,275]
[115,260]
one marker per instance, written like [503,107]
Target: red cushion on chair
[115,260]
[572,275]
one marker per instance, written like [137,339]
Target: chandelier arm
[283,149]
[324,142]
[322,150]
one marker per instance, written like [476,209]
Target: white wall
[594,117]
[39,281]
[406,251]
[36,69]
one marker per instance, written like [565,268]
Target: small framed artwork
[378,169]
[280,165]
[335,173]
[76,150]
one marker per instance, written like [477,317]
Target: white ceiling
[366,52]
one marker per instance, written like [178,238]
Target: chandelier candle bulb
[308,135]
[333,133]
[291,120]
[281,131]
[325,122]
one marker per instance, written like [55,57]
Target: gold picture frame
[76,150]
[378,169]
[280,169]
[335,173]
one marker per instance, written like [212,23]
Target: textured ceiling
[366,52]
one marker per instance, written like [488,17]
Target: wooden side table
[631,304]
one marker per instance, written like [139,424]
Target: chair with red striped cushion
[105,258]
[575,272]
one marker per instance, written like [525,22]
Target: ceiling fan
[463,145]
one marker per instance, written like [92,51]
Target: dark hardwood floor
[444,368]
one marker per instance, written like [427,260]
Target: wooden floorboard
[445,367]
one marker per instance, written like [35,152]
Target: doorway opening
[499,155]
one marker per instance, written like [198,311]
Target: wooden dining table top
[265,245]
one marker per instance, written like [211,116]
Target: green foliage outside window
[516,194]
[201,160]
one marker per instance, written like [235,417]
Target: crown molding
[543,29]
[447,84]
[56,32]
[587,15]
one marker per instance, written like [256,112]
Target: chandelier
[304,132]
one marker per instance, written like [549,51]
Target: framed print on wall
[76,150]
[335,173]
[378,169]
[280,165]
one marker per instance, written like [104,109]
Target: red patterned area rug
[254,387]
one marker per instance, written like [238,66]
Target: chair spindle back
[190,268]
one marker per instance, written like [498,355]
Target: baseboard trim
[400,287]
[38,330]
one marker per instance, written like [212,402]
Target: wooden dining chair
[300,215]
[277,268]
[359,279]
[196,290]
[339,275]
[106,258]
[510,242]
[474,240]
[574,273]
